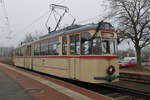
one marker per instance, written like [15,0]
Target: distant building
[6,52]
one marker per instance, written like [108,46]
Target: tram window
[97,49]
[18,52]
[107,26]
[86,48]
[98,46]
[109,46]
[53,47]
[74,45]
[116,46]
[15,53]
[91,46]
[112,47]
[44,48]
[28,51]
[105,46]
[37,49]
[64,45]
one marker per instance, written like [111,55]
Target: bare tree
[133,17]
[32,36]
[28,38]
[145,54]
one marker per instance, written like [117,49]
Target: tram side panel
[91,68]
[28,62]
[74,68]
[19,61]
[88,69]
[37,64]
[54,66]
[28,57]
[114,63]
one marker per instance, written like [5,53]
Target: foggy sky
[22,13]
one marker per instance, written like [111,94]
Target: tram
[85,53]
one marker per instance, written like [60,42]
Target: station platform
[17,84]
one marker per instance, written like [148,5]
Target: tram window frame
[17,52]
[37,49]
[116,46]
[105,47]
[75,44]
[112,47]
[27,50]
[20,52]
[97,46]
[64,45]
[53,48]
[91,47]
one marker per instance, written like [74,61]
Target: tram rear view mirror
[86,35]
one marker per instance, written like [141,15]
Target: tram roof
[70,29]
[67,30]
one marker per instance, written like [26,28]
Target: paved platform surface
[17,84]
[10,90]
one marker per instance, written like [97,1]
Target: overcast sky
[22,13]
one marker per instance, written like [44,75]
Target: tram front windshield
[99,46]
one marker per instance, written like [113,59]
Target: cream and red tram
[82,52]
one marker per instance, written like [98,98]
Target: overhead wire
[35,21]
[55,18]
[22,30]
[92,18]
[6,17]
[48,19]
[62,1]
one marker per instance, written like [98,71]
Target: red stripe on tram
[99,57]
[81,57]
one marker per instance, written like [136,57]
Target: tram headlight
[111,70]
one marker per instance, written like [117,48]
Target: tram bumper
[107,78]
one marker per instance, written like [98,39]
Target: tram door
[75,68]
[28,58]
[74,59]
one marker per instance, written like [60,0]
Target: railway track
[111,90]
[122,93]
[116,92]
[135,78]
